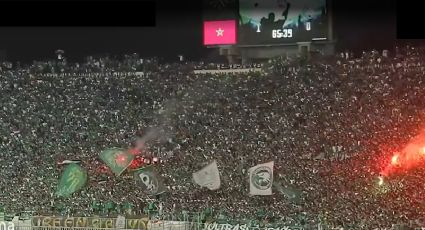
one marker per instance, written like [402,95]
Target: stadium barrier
[227,71]
[119,222]
[181,227]
[95,74]
[123,223]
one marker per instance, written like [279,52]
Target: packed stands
[329,125]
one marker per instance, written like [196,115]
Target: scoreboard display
[268,22]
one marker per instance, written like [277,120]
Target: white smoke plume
[163,128]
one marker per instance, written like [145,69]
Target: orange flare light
[394,160]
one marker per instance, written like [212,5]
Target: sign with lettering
[171,225]
[7,225]
[89,222]
[94,74]
[215,226]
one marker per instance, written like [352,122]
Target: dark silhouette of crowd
[328,124]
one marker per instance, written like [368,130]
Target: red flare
[135,151]
[411,156]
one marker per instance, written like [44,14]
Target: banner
[170,225]
[7,225]
[227,71]
[94,74]
[149,180]
[216,226]
[208,177]
[117,159]
[90,222]
[261,179]
[73,179]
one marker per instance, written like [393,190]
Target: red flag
[220,32]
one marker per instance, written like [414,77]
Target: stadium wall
[247,55]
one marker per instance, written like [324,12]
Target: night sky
[360,24]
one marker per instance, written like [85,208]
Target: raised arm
[285,13]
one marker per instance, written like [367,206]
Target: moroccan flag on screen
[117,159]
[73,179]
[220,32]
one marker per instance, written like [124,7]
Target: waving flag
[73,179]
[117,159]
[261,179]
[149,180]
[290,192]
[220,32]
[65,162]
[208,177]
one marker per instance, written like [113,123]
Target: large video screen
[263,22]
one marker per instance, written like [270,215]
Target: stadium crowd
[329,125]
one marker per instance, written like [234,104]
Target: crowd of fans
[329,125]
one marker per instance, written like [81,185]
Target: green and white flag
[73,179]
[149,180]
[208,177]
[261,179]
[117,159]
[290,192]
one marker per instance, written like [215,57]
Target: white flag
[261,179]
[69,162]
[208,177]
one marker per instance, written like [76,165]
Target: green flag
[110,205]
[117,159]
[290,192]
[60,207]
[73,179]
[261,213]
[152,206]
[127,205]
[96,206]
[149,181]
[208,211]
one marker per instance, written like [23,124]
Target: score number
[285,33]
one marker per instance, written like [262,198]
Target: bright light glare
[394,160]
[380,181]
